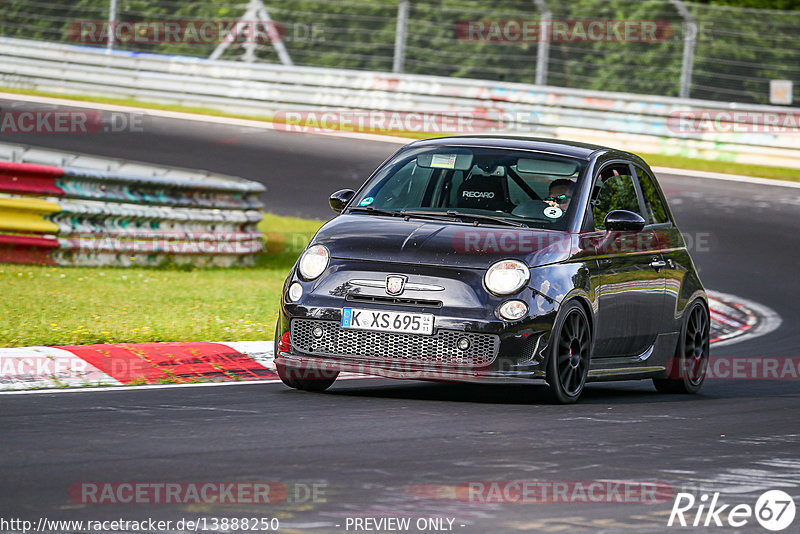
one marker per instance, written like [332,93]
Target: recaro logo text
[478,194]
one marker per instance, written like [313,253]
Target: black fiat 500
[495,259]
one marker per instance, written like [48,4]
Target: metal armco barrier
[127,214]
[641,123]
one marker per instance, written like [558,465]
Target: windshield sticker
[444,161]
[553,212]
[367,201]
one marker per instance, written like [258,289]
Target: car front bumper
[311,367]
[517,350]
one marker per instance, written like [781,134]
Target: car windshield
[481,185]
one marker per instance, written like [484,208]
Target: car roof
[553,146]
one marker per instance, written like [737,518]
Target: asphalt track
[392,449]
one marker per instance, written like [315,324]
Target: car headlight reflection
[314,261]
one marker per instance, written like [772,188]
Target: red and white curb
[733,319]
[135,363]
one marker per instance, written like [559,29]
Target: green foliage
[737,52]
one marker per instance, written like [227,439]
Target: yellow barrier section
[27,215]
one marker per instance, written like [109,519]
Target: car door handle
[658,264]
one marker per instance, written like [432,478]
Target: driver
[560,193]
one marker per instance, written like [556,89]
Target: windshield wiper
[374,211]
[490,218]
[437,215]
[432,215]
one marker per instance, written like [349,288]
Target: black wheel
[305,379]
[687,370]
[570,353]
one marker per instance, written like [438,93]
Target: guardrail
[97,211]
[641,123]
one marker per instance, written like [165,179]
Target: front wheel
[570,352]
[687,370]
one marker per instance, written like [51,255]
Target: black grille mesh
[439,348]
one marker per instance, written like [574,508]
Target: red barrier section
[154,363]
[26,178]
[27,250]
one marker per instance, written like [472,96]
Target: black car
[492,258]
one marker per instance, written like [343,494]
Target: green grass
[742,169]
[659,160]
[74,305]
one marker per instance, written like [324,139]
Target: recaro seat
[482,192]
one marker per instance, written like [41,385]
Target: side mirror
[340,199]
[623,221]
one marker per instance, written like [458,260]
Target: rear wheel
[304,379]
[570,352]
[687,370]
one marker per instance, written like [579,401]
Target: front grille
[439,349]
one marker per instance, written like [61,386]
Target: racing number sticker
[553,212]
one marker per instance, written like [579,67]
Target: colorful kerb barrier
[116,213]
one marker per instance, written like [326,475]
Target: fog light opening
[463,343]
[512,310]
[295,292]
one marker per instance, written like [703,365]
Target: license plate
[388,321]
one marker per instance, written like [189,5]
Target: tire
[306,380]
[686,371]
[570,354]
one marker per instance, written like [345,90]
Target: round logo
[553,212]
[367,201]
[775,510]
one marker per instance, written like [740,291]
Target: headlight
[512,310]
[314,261]
[506,277]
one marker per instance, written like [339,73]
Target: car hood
[393,239]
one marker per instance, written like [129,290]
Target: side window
[656,213]
[405,188]
[617,192]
